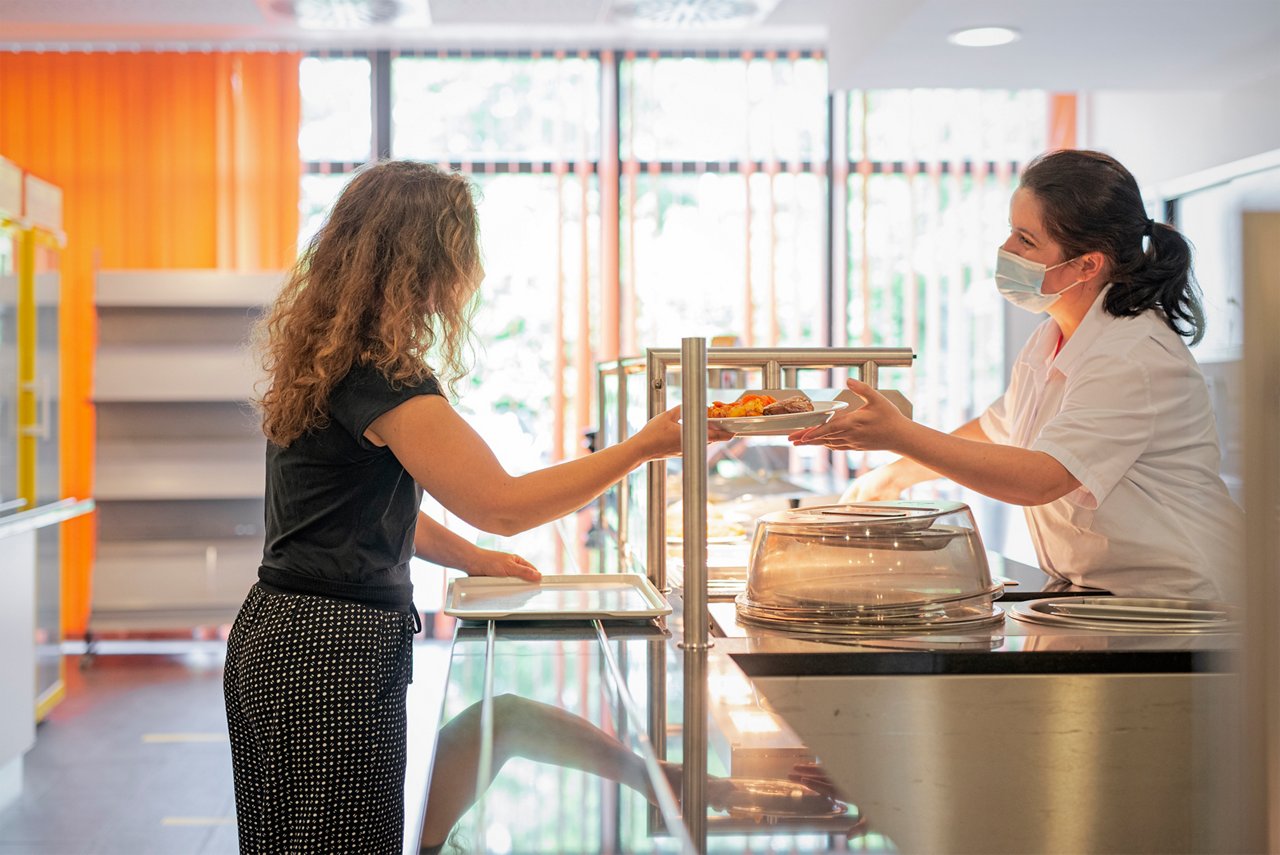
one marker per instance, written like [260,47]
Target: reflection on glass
[497,108]
[566,767]
[531,730]
[567,770]
[337,122]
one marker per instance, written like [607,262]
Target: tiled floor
[135,759]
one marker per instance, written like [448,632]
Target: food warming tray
[577,596]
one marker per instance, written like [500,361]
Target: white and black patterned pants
[315,691]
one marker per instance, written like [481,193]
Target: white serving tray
[578,596]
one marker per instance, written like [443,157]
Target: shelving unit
[180,464]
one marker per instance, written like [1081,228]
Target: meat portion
[798,404]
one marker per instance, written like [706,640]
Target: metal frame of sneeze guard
[779,367]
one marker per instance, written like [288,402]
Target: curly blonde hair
[389,278]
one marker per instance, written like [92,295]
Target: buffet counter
[571,737]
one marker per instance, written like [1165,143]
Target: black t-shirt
[341,511]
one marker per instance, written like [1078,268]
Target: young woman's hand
[661,436]
[490,562]
[875,426]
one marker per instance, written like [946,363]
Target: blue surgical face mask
[1021,281]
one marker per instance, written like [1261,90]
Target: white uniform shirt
[1125,409]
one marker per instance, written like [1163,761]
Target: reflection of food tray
[767,799]
[1129,614]
[778,425]
[568,597]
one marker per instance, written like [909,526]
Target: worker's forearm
[907,471]
[1010,474]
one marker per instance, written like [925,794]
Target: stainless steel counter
[1022,738]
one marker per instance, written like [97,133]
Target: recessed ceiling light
[984,36]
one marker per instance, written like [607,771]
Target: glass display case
[748,475]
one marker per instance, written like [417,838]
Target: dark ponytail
[1091,203]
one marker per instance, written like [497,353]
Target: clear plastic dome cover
[876,560]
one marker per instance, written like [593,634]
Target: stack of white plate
[954,614]
[1130,614]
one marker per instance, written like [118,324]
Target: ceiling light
[984,36]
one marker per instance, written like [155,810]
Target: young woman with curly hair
[358,425]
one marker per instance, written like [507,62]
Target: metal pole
[772,374]
[693,414]
[693,781]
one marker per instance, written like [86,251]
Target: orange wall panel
[165,160]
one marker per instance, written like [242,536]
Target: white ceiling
[1065,44]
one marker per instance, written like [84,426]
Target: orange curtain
[165,160]
[1062,121]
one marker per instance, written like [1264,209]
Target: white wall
[1162,135]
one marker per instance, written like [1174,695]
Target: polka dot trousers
[315,691]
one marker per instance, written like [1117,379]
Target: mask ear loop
[1073,284]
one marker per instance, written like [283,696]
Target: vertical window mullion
[610,193]
[380,79]
[835,326]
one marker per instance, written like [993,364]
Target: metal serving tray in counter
[584,596]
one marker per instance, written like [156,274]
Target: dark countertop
[1014,647]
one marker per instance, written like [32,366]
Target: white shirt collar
[1091,326]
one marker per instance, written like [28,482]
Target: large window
[629,200]
[723,198]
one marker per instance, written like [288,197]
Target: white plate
[779,425]
[578,596]
[1044,612]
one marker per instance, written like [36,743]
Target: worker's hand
[875,426]
[491,562]
[878,485]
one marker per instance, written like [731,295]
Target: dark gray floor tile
[93,785]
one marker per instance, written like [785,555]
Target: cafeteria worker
[1105,434]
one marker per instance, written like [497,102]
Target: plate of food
[763,415]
